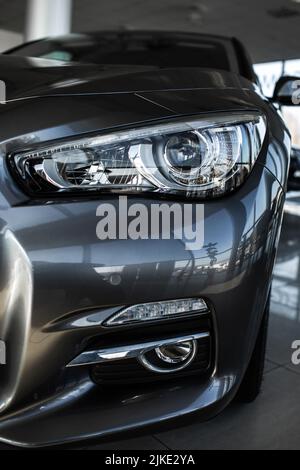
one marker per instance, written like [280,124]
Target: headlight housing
[205,156]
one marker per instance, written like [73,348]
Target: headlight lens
[199,157]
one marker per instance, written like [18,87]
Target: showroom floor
[273,421]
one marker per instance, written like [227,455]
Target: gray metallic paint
[49,252]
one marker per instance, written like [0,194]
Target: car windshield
[122,48]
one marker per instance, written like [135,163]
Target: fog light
[170,358]
[157,311]
[175,353]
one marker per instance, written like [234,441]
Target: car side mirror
[287,91]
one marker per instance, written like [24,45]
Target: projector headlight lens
[184,152]
[199,157]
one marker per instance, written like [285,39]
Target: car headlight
[205,156]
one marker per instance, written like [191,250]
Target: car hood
[30,77]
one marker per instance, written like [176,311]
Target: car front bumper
[54,270]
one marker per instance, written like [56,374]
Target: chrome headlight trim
[209,155]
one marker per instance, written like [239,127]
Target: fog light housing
[175,353]
[158,311]
[170,358]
